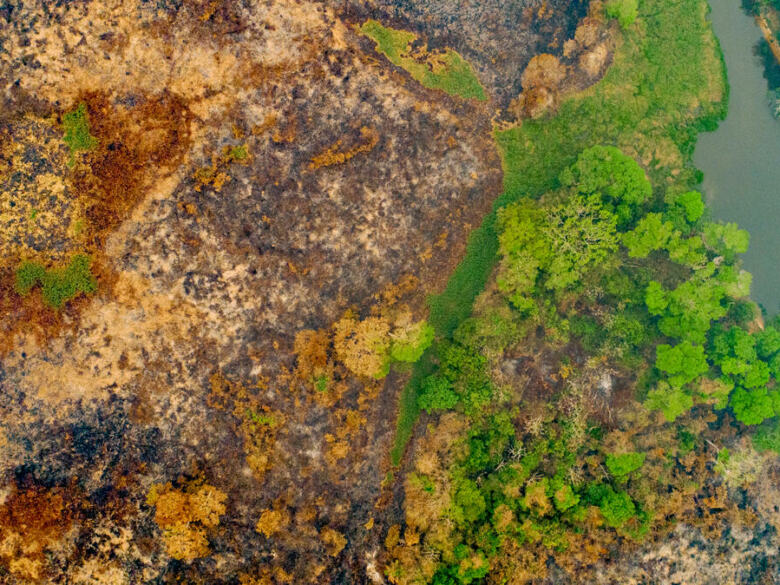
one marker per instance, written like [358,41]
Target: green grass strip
[448,72]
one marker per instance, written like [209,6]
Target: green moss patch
[447,71]
[76,126]
[58,285]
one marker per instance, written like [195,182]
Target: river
[741,159]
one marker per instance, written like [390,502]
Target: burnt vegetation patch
[498,38]
[119,148]
[138,143]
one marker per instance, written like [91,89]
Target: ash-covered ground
[259,171]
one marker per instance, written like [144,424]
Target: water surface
[741,160]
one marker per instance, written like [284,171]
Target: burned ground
[271,175]
[498,38]
[259,171]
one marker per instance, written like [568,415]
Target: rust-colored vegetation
[185,515]
[337,154]
[126,146]
[32,521]
[137,145]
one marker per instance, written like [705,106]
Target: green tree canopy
[684,209]
[672,402]
[616,177]
[620,465]
[617,508]
[687,311]
[651,233]
[726,239]
[552,246]
[752,407]
[682,363]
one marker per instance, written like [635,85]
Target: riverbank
[739,160]
[769,23]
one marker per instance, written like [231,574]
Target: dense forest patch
[611,319]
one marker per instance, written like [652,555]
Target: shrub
[76,126]
[58,285]
[625,11]
[623,464]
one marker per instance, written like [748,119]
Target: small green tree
[625,11]
[684,209]
[686,251]
[752,407]
[651,233]
[726,239]
[614,176]
[620,465]
[767,436]
[687,312]
[672,402]
[617,508]
[437,394]
[410,342]
[565,498]
[552,246]
[735,282]
[768,342]
[468,504]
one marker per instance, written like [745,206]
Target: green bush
[625,11]
[620,465]
[767,436]
[76,126]
[58,285]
